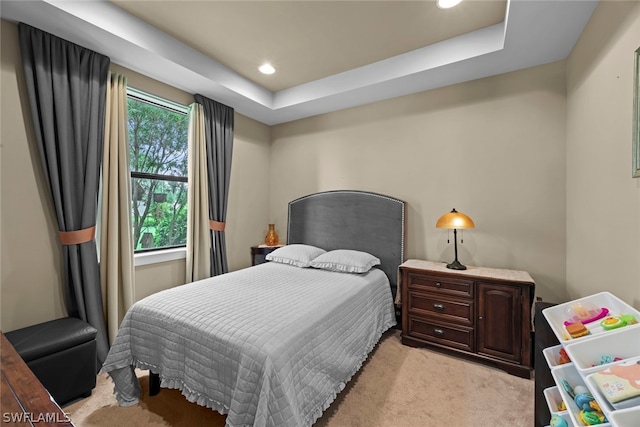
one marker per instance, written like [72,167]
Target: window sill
[156,257]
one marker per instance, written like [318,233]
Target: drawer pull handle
[438,331]
[438,284]
[438,306]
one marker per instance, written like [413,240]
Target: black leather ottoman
[62,354]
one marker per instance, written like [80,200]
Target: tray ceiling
[329,55]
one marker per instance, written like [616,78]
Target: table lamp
[455,220]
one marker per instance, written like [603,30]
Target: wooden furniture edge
[466,275]
[24,400]
[511,368]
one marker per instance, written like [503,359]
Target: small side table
[258,253]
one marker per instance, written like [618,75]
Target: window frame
[146,255]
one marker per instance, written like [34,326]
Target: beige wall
[603,201]
[30,267]
[31,290]
[491,148]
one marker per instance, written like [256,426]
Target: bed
[272,344]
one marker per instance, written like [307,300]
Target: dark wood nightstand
[258,253]
[481,313]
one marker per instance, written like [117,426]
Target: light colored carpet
[398,386]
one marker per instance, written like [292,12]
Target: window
[158,140]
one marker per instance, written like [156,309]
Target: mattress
[269,345]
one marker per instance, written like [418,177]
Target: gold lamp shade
[455,220]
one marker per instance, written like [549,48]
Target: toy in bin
[563,357]
[606,359]
[577,330]
[592,418]
[590,411]
[584,312]
[614,322]
[558,421]
[619,382]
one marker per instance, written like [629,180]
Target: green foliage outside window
[158,156]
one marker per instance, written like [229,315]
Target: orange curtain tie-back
[216,225]
[77,237]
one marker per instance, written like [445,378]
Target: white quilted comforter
[270,345]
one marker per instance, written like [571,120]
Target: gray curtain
[67,93]
[218,127]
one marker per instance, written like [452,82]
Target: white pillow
[346,261]
[298,255]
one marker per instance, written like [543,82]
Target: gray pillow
[346,261]
[298,255]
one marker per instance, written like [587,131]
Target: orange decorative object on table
[272,239]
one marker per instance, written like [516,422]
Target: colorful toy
[562,406]
[619,382]
[590,412]
[592,418]
[595,406]
[577,330]
[629,319]
[608,359]
[612,322]
[563,358]
[584,312]
[558,421]
[583,401]
[567,387]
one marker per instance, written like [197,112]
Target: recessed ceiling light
[266,69]
[446,4]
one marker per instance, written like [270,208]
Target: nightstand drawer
[441,285]
[450,336]
[458,311]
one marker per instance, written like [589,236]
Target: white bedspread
[269,345]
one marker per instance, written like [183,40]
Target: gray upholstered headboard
[357,220]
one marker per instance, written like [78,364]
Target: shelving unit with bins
[585,352]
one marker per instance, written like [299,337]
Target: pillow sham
[298,255]
[346,261]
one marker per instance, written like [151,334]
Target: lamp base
[455,265]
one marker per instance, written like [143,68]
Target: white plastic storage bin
[600,397]
[553,398]
[587,355]
[557,315]
[571,375]
[552,354]
[625,417]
